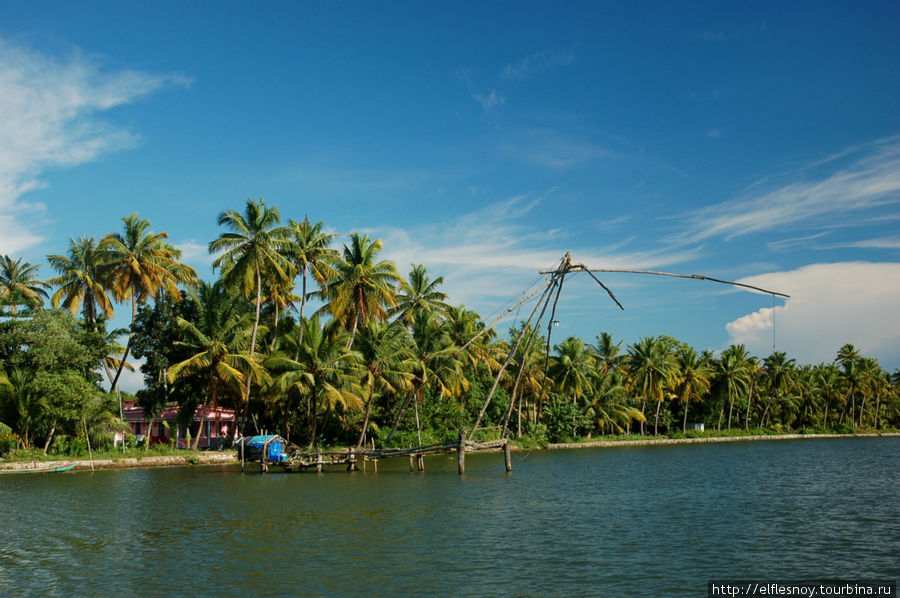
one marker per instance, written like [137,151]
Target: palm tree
[436,363]
[255,246]
[733,371]
[871,370]
[571,369]
[387,361]
[324,372]
[779,379]
[363,288]
[651,368]
[610,409]
[19,284]
[218,341]
[311,252]
[828,385]
[854,379]
[755,372]
[420,294]
[608,352]
[846,353]
[80,281]
[693,377]
[136,265]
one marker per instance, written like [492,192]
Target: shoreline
[230,458]
[213,458]
[707,439]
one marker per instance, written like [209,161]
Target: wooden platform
[352,458]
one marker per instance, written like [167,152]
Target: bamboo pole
[507,458]
[511,354]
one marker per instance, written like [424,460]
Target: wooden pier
[360,458]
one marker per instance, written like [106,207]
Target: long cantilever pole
[691,276]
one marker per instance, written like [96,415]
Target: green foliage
[563,420]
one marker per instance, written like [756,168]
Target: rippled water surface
[600,522]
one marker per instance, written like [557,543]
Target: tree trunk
[643,406]
[246,414]
[362,434]
[730,409]
[313,421]
[49,437]
[684,425]
[400,414]
[747,416]
[302,306]
[656,421]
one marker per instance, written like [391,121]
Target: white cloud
[491,100]
[49,109]
[195,253]
[830,305]
[489,256]
[536,63]
[552,149]
[877,243]
[871,179]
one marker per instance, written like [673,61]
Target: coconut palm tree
[650,366]
[609,407]
[692,378]
[608,353]
[387,363]
[255,245]
[219,341]
[828,385]
[19,284]
[779,379]
[436,364]
[733,370]
[311,251]
[363,287]
[135,265]
[325,373]
[571,369]
[80,280]
[420,294]
[854,379]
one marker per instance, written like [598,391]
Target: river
[629,521]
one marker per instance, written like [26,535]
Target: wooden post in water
[461,453]
[318,461]
[506,456]
[351,460]
[420,462]
[412,462]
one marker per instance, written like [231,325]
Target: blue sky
[752,141]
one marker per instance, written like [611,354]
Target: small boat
[51,469]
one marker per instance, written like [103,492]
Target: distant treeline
[382,357]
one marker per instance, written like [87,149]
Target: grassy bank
[157,456]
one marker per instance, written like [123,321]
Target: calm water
[600,522]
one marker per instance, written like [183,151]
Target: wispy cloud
[534,64]
[871,179]
[491,100]
[490,255]
[552,149]
[50,118]
[877,243]
[513,73]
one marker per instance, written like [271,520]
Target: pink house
[213,425]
